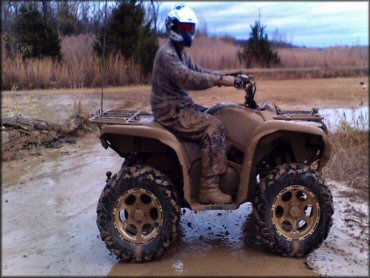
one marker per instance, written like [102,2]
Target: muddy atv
[274,161]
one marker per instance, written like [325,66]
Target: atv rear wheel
[138,214]
[293,210]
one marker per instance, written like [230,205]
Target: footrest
[195,206]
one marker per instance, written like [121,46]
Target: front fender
[268,128]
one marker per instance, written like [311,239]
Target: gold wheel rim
[138,216]
[295,212]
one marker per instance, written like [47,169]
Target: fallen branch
[19,132]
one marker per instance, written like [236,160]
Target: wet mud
[346,250]
[48,226]
[49,214]
[216,243]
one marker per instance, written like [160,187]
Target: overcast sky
[311,24]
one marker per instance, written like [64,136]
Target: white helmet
[180,24]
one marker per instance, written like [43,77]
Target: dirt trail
[57,106]
[49,213]
[49,227]
[49,199]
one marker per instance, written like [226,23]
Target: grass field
[80,68]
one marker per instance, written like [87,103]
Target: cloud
[308,23]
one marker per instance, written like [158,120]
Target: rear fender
[268,132]
[133,138]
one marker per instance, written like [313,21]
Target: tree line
[34,29]
[67,17]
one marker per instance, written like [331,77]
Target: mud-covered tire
[140,178]
[280,179]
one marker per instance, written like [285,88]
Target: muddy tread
[262,206]
[125,179]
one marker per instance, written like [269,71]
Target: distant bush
[34,38]
[257,50]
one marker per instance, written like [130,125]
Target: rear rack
[122,117]
[297,115]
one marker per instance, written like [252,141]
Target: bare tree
[46,9]
[84,10]
[153,15]
[9,11]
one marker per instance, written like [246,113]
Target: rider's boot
[209,193]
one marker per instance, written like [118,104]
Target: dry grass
[331,57]
[80,68]
[349,162]
[222,54]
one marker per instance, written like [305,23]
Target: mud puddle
[48,224]
[49,199]
[346,250]
[357,118]
[217,243]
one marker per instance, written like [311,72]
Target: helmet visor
[186,27]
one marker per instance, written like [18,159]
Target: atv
[274,160]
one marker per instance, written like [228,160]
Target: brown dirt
[58,105]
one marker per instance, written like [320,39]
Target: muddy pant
[191,123]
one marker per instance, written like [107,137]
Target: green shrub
[257,50]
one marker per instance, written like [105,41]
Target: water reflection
[357,118]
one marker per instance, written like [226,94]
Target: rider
[174,73]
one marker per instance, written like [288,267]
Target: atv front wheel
[138,214]
[293,210]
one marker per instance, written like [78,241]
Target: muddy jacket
[173,77]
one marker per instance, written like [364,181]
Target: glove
[239,83]
[226,80]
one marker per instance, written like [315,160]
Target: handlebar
[245,81]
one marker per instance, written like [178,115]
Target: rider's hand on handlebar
[226,80]
[242,80]
[238,82]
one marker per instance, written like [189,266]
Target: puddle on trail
[217,243]
[357,118]
[48,226]
[346,250]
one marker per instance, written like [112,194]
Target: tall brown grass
[324,58]
[222,54]
[349,161]
[81,68]
[78,68]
